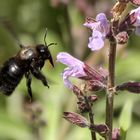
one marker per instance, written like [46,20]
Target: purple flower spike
[100,28]
[74,69]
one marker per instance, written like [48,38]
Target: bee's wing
[9,26]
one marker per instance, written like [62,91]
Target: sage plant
[117,30]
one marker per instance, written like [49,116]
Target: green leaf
[125,118]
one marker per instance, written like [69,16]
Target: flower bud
[135,2]
[93,85]
[122,37]
[76,119]
[131,21]
[92,98]
[116,134]
[129,86]
[78,93]
[102,129]
[127,22]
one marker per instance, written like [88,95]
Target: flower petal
[66,73]
[92,25]
[96,41]
[73,72]
[69,60]
[103,23]
[101,17]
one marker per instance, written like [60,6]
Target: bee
[27,62]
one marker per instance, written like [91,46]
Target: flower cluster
[95,80]
[100,29]
[117,31]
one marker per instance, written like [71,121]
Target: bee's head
[44,52]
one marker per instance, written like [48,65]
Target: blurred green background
[42,119]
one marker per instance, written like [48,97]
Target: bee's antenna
[52,44]
[46,32]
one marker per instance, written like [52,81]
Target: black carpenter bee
[28,61]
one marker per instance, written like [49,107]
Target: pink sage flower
[79,69]
[100,28]
[74,69]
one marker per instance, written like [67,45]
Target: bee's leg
[36,72]
[28,84]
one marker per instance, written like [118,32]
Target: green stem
[110,93]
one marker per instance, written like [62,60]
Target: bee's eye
[42,50]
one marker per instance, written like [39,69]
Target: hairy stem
[91,118]
[110,93]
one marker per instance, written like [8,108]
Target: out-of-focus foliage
[42,119]
[125,115]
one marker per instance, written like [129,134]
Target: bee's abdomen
[10,76]
[8,83]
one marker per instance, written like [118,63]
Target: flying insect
[27,62]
